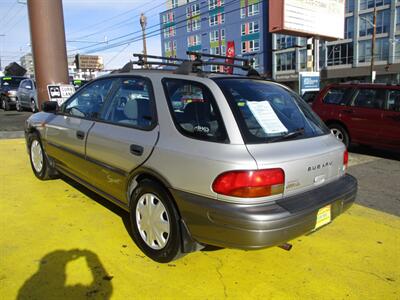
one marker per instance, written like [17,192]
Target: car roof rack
[187,66]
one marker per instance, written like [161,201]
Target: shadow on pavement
[387,154]
[49,282]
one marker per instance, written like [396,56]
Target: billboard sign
[308,81]
[89,62]
[322,18]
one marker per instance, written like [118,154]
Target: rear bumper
[213,222]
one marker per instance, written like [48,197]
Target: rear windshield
[11,82]
[267,112]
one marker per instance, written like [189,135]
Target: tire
[340,133]
[161,243]
[39,162]
[33,106]
[18,106]
[6,105]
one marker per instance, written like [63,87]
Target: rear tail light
[345,160]
[250,184]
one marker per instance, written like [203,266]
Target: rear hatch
[281,131]
[307,163]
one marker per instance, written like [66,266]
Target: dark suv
[362,113]
[8,91]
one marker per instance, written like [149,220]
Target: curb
[11,134]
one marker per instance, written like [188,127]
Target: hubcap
[152,221]
[337,133]
[37,156]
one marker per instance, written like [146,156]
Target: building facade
[348,59]
[26,62]
[208,26]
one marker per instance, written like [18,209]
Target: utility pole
[49,51]
[1,35]
[373,47]
[143,23]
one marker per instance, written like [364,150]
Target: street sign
[308,81]
[60,92]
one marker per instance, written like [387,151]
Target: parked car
[8,91]
[309,96]
[241,163]
[27,96]
[362,113]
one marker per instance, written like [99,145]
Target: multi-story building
[208,26]
[350,58]
[27,63]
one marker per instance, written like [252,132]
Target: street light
[373,24]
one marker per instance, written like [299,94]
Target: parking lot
[60,241]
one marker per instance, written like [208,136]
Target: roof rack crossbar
[200,54]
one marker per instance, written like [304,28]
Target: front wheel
[5,104]
[340,133]
[33,106]
[39,163]
[155,222]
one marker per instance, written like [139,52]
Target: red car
[362,113]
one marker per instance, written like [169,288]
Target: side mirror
[50,107]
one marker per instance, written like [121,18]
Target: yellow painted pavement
[56,242]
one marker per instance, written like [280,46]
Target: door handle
[136,150]
[347,111]
[80,134]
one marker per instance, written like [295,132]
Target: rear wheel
[340,133]
[5,104]
[155,222]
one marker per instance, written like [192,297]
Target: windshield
[267,112]
[11,82]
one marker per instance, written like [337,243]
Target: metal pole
[49,51]
[373,47]
[143,23]
[1,35]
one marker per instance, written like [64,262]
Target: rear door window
[338,96]
[194,110]
[370,98]
[393,102]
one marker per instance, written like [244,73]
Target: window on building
[251,27]
[193,25]
[215,3]
[398,19]
[303,59]
[170,46]
[397,48]
[349,28]
[193,40]
[381,50]
[250,46]
[365,4]
[285,41]
[192,10]
[168,24]
[340,54]
[349,6]
[382,23]
[218,50]
[217,19]
[286,61]
[216,35]
[175,3]
[249,10]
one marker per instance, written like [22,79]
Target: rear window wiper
[288,136]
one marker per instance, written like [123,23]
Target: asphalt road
[13,120]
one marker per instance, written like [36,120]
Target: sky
[88,23]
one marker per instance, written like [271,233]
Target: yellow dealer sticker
[323,216]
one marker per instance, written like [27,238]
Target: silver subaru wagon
[229,161]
